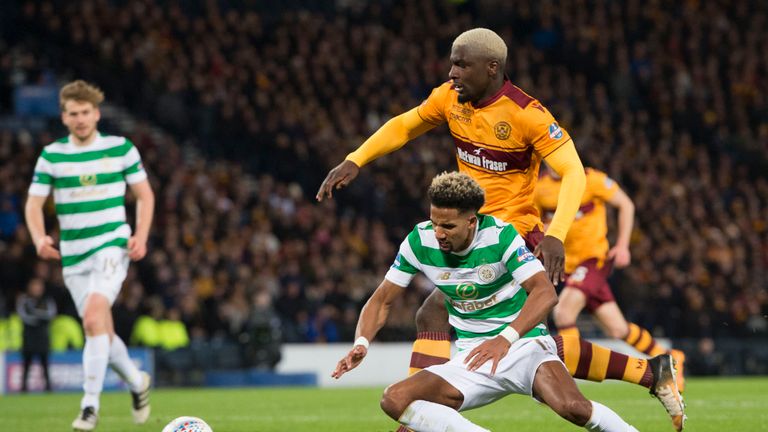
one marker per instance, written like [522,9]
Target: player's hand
[137,248]
[620,256]
[493,349]
[45,249]
[338,178]
[355,356]
[552,252]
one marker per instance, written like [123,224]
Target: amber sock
[569,331]
[642,340]
[430,348]
[592,362]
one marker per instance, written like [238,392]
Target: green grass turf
[713,405]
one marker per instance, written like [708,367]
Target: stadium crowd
[260,103]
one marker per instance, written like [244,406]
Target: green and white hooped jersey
[481,283]
[89,192]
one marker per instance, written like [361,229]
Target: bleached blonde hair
[483,42]
[455,190]
[80,91]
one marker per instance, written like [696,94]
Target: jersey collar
[505,87]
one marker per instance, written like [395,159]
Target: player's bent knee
[394,401]
[618,332]
[92,323]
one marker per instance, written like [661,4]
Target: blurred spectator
[36,311]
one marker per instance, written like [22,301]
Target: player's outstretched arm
[372,319]
[390,137]
[566,163]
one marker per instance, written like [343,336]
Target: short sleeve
[600,185]
[405,267]
[133,168]
[520,261]
[542,130]
[42,179]
[432,110]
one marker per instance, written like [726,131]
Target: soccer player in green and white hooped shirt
[88,172]
[498,297]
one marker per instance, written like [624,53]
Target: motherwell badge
[502,130]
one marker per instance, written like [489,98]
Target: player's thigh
[432,315]
[515,372]
[612,320]
[423,385]
[591,280]
[103,274]
[79,286]
[110,269]
[570,304]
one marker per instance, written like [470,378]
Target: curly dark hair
[456,190]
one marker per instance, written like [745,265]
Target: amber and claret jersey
[588,236]
[500,143]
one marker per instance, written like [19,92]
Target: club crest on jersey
[502,130]
[88,179]
[486,273]
[467,291]
[554,131]
[524,255]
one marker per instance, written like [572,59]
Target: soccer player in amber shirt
[589,259]
[501,136]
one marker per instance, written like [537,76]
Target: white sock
[95,358]
[423,416]
[121,363]
[604,419]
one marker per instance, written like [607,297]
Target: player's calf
[577,411]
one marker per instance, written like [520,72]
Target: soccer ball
[187,424]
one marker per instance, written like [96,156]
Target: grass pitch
[713,405]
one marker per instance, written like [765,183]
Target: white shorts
[104,274]
[514,374]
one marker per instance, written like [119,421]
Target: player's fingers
[326,187]
[480,358]
[339,371]
[549,267]
[494,365]
[471,354]
[479,362]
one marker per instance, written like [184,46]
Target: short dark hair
[456,190]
